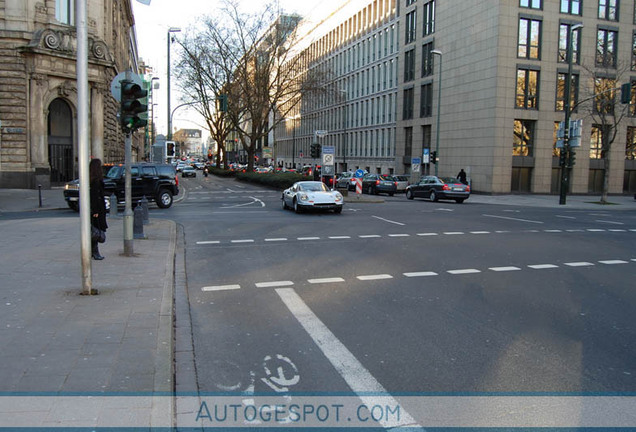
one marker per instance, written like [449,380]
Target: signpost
[359,174]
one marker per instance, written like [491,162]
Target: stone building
[38,90]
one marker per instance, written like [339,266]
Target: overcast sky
[152,23]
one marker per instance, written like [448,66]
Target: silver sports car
[307,195]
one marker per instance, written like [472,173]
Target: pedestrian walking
[98,206]
[462,176]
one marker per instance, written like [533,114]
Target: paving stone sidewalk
[56,341]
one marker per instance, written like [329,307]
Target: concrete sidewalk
[56,340]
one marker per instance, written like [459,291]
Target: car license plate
[457,189]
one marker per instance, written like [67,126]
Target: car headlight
[338,196]
[303,197]
[71,186]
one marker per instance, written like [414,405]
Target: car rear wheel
[164,198]
[433,196]
[459,200]
[409,194]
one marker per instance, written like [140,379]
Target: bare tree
[606,114]
[254,60]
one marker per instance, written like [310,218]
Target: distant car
[306,195]
[181,166]
[188,171]
[436,188]
[374,184]
[199,165]
[402,181]
[346,180]
[261,170]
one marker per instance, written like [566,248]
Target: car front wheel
[284,203]
[297,208]
[164,198]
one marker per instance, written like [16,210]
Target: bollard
[144,207]
[138,223]
[113,206]
[40,195]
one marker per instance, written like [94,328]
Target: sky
[151,25]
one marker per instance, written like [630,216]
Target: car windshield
[385,177]
[113,173]
[313,187]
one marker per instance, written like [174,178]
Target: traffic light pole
[128,213]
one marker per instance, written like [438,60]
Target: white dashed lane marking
[384,276]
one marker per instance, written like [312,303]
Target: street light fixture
[170,30]
[439,102]
[565,150]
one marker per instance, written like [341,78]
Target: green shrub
[221,172]
[274,180]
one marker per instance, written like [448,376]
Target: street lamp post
[170,30]
[344,132]
[439,103]
[565,150]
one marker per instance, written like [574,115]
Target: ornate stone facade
[38,90]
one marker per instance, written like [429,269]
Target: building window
[407,111]
[560,91]
[596,142]
[608,9]
[410,2]
[572,7]
[409,65]
[426,100]
[529,38]
[527,89]
[429,18]
[411,27]
[408,142]
[606,46]
[564,44]
[530,4]
[605,94]
[630,146]
[633,67]
[523,138]
[555,151]
[427,59]
[65,11]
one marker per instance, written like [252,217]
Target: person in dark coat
[98,206]
[462,176]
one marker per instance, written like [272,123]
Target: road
[406,296]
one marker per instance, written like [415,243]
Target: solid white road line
[543,266]
[387,220]
[610,262]
[273,284]
[243,241]
[566,217]
[579,264]
[609,222]
[504,269]
[307,238]
[480,232]
[453,233]
[511,218]
[595,230]
[208,242]
[399,235]
[463,271]
[427,234]
[420,274]
[370,236]
[553,231]
[220,288]
[374,277]
[350,369]
[325,280]
[276,239]
[339,237]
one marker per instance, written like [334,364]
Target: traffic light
[571,157]
[315,150]
[170,149]
[434,157]
[222,103]
[130,107]
[562,158]
[626,93]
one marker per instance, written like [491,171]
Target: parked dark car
[157,182]
[436,188]
[378,183]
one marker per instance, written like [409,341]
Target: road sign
[426,155]
[321,133]
[328,155]
[415,164]
[359,173]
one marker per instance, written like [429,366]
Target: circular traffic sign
[359,173]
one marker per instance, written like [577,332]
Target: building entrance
[60,140]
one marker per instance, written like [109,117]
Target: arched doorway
[60,138]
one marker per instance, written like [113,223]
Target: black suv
[157,182]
